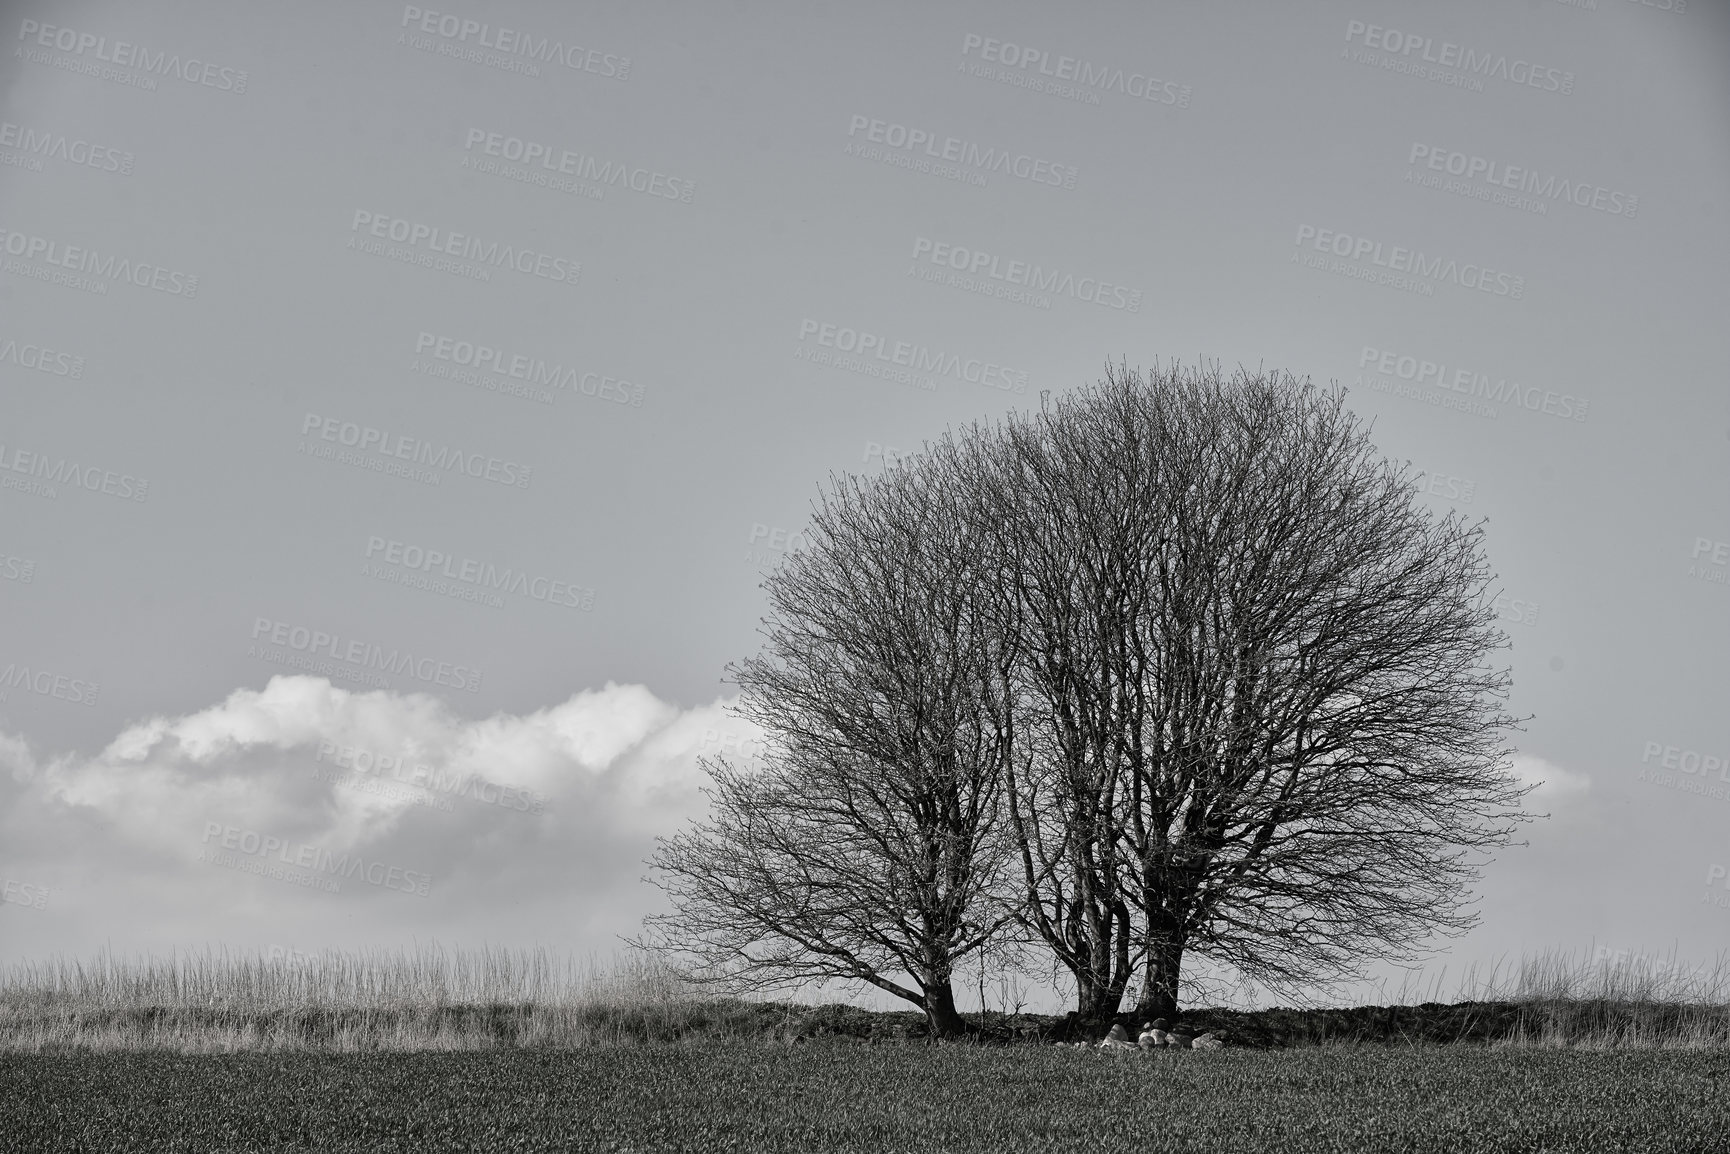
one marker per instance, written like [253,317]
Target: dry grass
[430,975]
[1617,1005]
[432,998]
[1595,1002]
[1554,976]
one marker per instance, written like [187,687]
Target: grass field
[497,1050]
[835,1096]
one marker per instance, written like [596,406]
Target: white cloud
[609,768]
[1554,782]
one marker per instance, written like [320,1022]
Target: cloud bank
[302,807]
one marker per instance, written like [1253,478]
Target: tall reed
[491,997]
[428,997]
[429,975]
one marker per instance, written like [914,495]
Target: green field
[823,1096]
[500,1050]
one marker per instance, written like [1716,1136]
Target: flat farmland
[843,1095]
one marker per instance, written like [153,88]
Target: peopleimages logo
[58,146]
[869,349]
[1716,873]
[1646,964]
[890,456]
[41,359]
[577,165]
[771,543]
[1397,260]
[904,143]
[1443,485]
[262,846]
[535,371]
[746,752]
[365,654]
[290,955]
[1423,372]
[87,260]
[363,764]
[47,683]
[1471,167]
[988,273]
[1717,556]
[1454,64]
[1515,609]
[398,447]
[1718,550]
[46,472]
[123,54]
[19,893]
[416,561]
[513,42]
[1685,770]
[1034,69]
[427,241]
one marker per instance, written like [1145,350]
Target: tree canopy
[1176,666]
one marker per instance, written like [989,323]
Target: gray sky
[519,343]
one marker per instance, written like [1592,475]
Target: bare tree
[1170,669]
[1284,653]
[1329,747]
[871,848]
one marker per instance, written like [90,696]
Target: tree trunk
[940,1012]
[1164,965]
[1100,996]
[1095,1004]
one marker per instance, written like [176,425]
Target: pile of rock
[1158,1034]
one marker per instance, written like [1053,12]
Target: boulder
[1208,1041]
[1117,1039]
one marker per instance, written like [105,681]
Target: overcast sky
[394,394]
